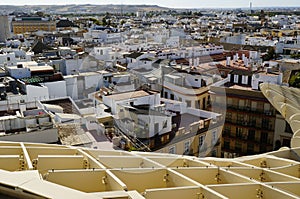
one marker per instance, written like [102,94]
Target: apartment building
[32,24]
[251,122]
[189,84]
[187,88]
[144,121]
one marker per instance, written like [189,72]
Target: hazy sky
[167,3]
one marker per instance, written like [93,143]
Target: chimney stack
[228,61]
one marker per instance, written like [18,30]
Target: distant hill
[84,8]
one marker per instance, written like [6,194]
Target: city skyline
[168,3]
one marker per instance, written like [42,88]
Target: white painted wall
[35,93]
[257,78]
[12,59]
[44,136]
[193,80]
[73,65]
[202,113]
[19,73]
[56,89]
[151,120]
[92,124]
[160,120]
[93,80]
[151,100]
[71,87]
[8,123]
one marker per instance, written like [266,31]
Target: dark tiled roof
[39,47]
[241,72]
[65,23]
[134,55]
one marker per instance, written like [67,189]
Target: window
[226,144]
[265,123]
[264,137]
[156,128]
[262,148]
[226,130]
[165,124]
[288,128]
[247,105]
[201,140]
[266,107]
[253,106]
[238,146]
[172,150]
[188,103]
[214,153]
[197,104]
[172,96]
[186,147]
[260,106]
[166,95]
[252,120]
[251,134]
[203,103]
[180,99]
[250,149]
[164,139]
[214,137]
[240,119]
[241,104]
[239,132]
[228,116]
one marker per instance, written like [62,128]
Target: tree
[270,55]
[40,14]
[104,23]
[122,22]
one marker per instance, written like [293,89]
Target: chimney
[246,62]
[228,61]
[243,57]
[234,58]
[256,55]
[253,54]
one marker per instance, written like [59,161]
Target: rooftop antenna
[121,8]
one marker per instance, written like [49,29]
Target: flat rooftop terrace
[66,104]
